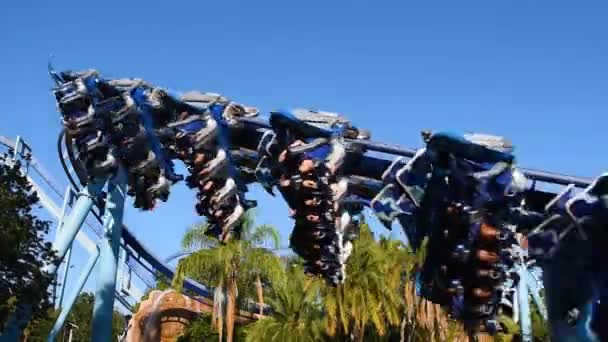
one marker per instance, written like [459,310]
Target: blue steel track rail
[373,146]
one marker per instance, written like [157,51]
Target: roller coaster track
[482,215]
[396,150]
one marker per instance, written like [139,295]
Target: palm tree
[228,267]
[262,237]
[297,311]
[370,293]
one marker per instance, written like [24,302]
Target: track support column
[65,309]
[108,258]
[523,301]
[72,224]
[68,200]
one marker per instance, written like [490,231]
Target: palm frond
[247,223]
[195,238]
[264,235]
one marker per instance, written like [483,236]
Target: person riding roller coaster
[194,139]
[142,128]
[461,189]
[103,121]
[306,157]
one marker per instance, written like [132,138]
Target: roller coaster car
[196,138]
[571,244]
[74,98]
[580,214]
[104,120]
[463,208]
[305,153]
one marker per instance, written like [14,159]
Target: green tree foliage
[80,316]
[366,307]
[540,328]
[23,251]
[370,295]
[297,312]
[202,330]
[39,328]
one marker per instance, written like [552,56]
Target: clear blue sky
[533,71]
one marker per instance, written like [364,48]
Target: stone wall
[165,315]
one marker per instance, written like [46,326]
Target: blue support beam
[65,310]
[71,226]
[68,261]
[67,201]
[535,287]
[108,259]
[523,301]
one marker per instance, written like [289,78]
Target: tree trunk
[410,304]
[410,298]
[258,285]
[220,327]
[402,329]
[230,309]
[220,316]
[429,319]
[360,333]
[483,337]
[216,306]
[441,321]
